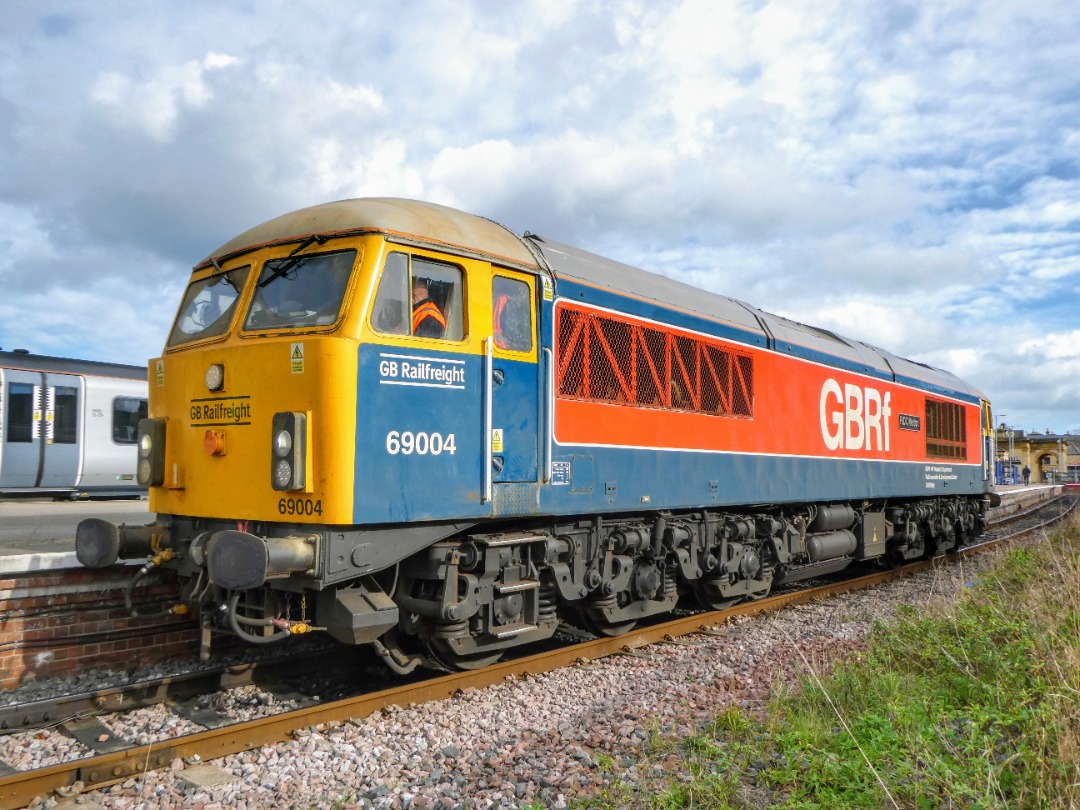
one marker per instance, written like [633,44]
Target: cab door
[514,383]
[420,441]
[988,449]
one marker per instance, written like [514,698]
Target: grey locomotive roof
[410,219]
[580,265]
[25,361]
[790,336]
[930,374]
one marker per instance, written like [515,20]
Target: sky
[903,173]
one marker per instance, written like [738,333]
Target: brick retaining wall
[61,623]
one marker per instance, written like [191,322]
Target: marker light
[288,446]
[282,474]
[150,471]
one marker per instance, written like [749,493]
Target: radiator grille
[946,430]
[602,358]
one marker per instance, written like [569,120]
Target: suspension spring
[452,630]
[671,584]
[548,601]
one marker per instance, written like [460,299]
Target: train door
[63,418]
[40,430]
[514,383]
[21,429]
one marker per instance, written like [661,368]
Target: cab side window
[511,314]
[420,297]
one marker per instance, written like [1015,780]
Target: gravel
[95,679]
[539,740]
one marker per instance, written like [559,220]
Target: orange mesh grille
[946,430]
[607,359]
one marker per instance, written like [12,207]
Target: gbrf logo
[851,415]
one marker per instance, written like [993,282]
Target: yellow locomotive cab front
[249,420]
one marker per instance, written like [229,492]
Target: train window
[511,314]
[65,415]
[419,297]
[299,291]
[208,306]
[390,314]
[127,411]
[20,413]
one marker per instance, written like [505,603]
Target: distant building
[1049,456]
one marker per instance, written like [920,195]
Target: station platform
[1019,497]
[39,535]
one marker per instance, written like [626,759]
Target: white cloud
[154,105]
[1059,347]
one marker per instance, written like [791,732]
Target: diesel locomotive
[407,426]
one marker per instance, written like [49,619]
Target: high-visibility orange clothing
[421,312]
[497,315]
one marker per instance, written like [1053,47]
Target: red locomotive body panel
[792,406]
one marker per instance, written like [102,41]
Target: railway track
[116,760]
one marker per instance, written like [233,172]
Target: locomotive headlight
[215,377]
[150,471]
[283,443]
[288,446]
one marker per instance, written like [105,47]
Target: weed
[605,762]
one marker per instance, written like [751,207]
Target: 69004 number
[407,443]
[299,506]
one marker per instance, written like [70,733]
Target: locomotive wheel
[761,592]
[709,596]
[706,599]
[598,627]
[456,662]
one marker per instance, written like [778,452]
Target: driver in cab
[427,318]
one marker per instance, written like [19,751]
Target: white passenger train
[69,428]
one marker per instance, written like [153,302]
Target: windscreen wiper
[219,273]
[290,261]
